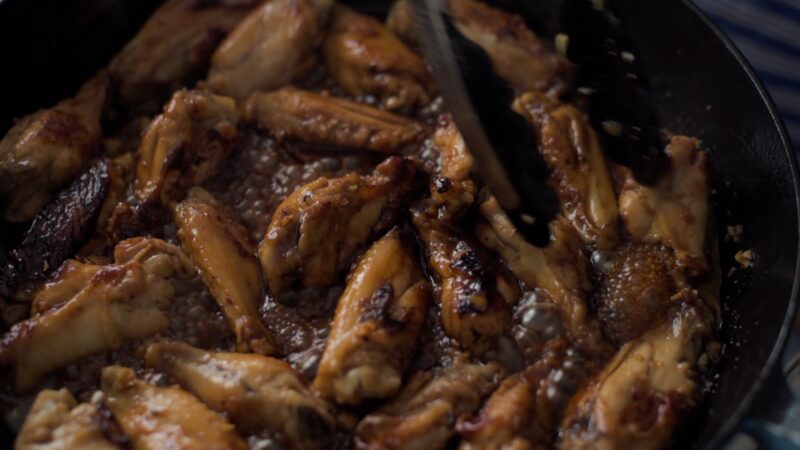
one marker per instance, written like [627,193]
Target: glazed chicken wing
[57,422]
[71,277]
[224,255]
[674,212]
[172,49]
[317,230]
[257,392]
[182,147]
[365,58]
[329,121]
[517,54]
[156,418]
[578,170]
[122,301]
[273,45]
[377,323]
[46,150]
[423,416]
[644,392]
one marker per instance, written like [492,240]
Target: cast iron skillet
[702,86]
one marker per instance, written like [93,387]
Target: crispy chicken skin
[317,230]
[378,320]
[46,150]
[517,54]
[645,391]
[122,301]
[181,148]
[156,418]
[273,45]
[518,415]
[424,414]
[330,121]
[172,49]
[560,269]
[224,255]
[675,211]
[257,392]
[57,422]
[365,58]
[578,169]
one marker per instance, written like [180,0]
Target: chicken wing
[182,147]
[257,392]
[452,190]
[365,58]
[424,414]
[559,268]
[674,212]
[329,121]
[517,54]
[317,230]
[401,22]
[156,418]
[122,301]
[46,150]
[578,170]
[273,45]
[224,255]
[644,392]
[55,234]
[57,422]
[172,49]
[71,277]
[377,324]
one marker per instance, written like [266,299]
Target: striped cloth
[768,33]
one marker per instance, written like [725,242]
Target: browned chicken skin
[365,58]
[423,415]
[46,150]
[578,169]
[317,230]
[377,322]
[517,55]
[224,255]
[156,418]
[674,212]
[122,301]
[257,392]
[273,45]
[329,121]
[57,422]
[172,49]
[182,147]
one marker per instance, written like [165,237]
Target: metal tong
[503,143]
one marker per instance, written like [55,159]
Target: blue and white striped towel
[768,33]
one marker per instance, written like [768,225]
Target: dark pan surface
[702,87]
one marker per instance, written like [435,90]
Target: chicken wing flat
[559,269]
[57,422]
[221,249]
[317,230]
[517,54]
[423,416]
[56,233]
[172,49]
[377,324]
[257,392]
[70,279]
[156,418]
[330,121]
[365,58]
[46,150]
[122,301]
[273,45]
[674,212]
[183,146]
[578,170]
[644,392]
[452,191]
